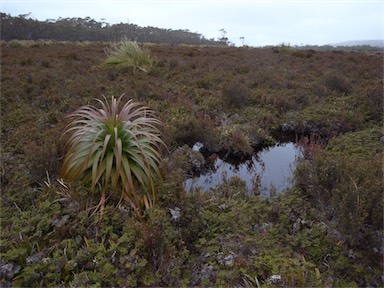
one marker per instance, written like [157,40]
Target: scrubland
[327,230]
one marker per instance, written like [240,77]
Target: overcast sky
[259,22]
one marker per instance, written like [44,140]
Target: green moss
[361,143]
[330,116]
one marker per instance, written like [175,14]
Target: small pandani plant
[115,149]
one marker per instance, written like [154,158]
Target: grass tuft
[129,54]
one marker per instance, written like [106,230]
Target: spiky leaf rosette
[115,149]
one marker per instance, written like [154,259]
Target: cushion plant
[115,149]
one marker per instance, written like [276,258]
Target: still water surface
[272,168]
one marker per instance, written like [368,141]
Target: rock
[296,225]
[206,272]
[229,260]
[8,271]
[223,206]
[275,279]
[35,258]
[226,260]
[187,159]
[175,213]
[198,146]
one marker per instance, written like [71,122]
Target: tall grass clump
[129,54]
[115,149]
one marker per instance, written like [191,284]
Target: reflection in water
[272,168]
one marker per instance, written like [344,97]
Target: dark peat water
[268,171]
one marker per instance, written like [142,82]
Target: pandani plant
[115,149]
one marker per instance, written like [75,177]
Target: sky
[294,22]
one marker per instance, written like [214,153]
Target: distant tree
[242,40]
[87,29]
[223,39]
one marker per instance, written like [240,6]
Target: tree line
[23,27]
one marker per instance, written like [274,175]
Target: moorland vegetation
[326,230]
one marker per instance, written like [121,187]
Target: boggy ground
[325,231]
